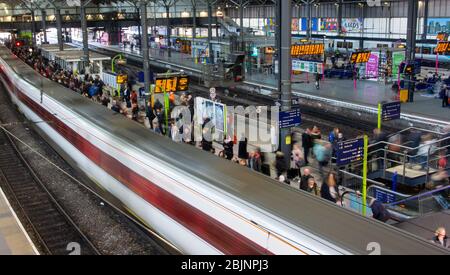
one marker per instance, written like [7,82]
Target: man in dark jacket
[306,144]
[304,180]
[280,164]
[228,148]
[243,153]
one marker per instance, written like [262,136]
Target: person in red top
[133,97]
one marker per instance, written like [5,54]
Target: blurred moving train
[201,204]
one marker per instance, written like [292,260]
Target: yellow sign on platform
[442,47]
[360,57]
[307,49]
[171,84]
[122,79]
[404,95]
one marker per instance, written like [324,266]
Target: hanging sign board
[307,49]
[360,57]
[122,79]
[171,84]
[350,151]
[391,111]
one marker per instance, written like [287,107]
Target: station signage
[442,47]
[442,36]
[384,197]
[307,49]
[350,151]
[307,66]
[122,79]
[171,84]
[391,111]
[289,119]
[360,57]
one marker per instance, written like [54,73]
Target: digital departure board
[442,47]
[307,49]
[442,36]
[122,79]
[360,57]
[171,84]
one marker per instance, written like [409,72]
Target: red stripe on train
[214,232]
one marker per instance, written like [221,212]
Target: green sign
[397,59]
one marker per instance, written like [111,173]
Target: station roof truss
[42,4]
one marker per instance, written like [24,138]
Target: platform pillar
[194,28]
[308,19]
[84,32]
[144,45]
[113,34]
[33,28]
[425,20]
[44,24]
[169,30]
[210,47]
[411,44]
[59,29]
[284,41]
[340,5]
[241,23]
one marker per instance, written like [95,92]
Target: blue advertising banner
[314,24]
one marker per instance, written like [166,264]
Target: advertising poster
[307,66]
[219,117]
[372,66]
[314,24]
[205,108]
[397,59]
[437,25]
[352,25]
[328,24]
[295,25]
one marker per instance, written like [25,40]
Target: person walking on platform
[255,161]
[280,164]
[323,152]
[305,178]
[228,148]
[318,77]
[243,153]
[297,162]
[329,190]
[306,144]
[445,97]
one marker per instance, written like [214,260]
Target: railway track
[55,231]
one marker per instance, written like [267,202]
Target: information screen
[172,84]
[442,36]
[122,79]
[442,47]
[307,49]
[360,57]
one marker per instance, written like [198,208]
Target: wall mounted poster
[372,66]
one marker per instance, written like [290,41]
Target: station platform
[341,92]
[13,238]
